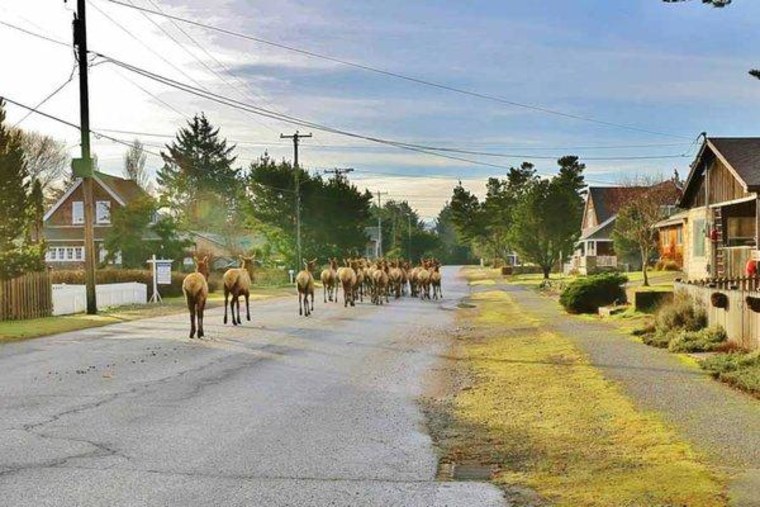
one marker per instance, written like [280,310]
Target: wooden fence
[737,314]
[27,297]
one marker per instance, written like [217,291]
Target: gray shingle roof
[743,154]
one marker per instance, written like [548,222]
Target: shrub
[658,339]
[586,295]
[104,276]
[705,340]
[738,369]
[682,313]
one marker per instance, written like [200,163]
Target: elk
[435,280]
[380,282]
[394,279]
[329,278]
[305,284]
[195,288]
[237,282]
[423,280]
[347,278]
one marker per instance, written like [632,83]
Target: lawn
[14,330]
[533,407]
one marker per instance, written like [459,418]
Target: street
[284,410]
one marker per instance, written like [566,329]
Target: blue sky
[678,69]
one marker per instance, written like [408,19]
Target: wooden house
[63,223]
[720,229]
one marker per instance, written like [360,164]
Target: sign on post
[162,275]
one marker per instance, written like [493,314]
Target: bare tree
[634,226]
[134,165]
[46,159]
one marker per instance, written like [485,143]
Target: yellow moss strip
[539,410]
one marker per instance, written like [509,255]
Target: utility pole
[82,167]
[339,172]
[380,223]
[295,137]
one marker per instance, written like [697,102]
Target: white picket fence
[68,299]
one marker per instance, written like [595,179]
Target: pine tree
[15,181]
[198,172]
[36,212]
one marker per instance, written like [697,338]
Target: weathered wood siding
[26,297]
[723,185]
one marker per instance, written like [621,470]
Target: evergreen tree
[36,212]
[15,178]
[197,177]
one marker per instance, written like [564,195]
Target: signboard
[163,272]
[162,275]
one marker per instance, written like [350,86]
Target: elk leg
[191,307]
[226,295]
[201,308]
[247,306]
[300,304]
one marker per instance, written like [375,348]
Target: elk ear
[314,260]
[205,259]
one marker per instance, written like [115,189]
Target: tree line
[536,217]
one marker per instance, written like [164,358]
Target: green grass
[14,330]
[551,422]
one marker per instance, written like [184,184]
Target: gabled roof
[122,190]
[601,231]
[608,200]
[741,155]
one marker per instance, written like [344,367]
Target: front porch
[733,234]
[592,256]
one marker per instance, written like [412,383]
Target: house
[720,227]
[594,248]
[372,246]
[223,251]
[670,234]
[63,223]
[595,251]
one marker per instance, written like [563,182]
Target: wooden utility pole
[295,137]
[379,223]
[82,167]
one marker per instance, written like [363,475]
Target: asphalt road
[285,410]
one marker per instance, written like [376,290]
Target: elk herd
[359,278]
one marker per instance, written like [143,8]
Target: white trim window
[65,254]
[103,212]
[77,212]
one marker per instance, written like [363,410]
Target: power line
[397,75]
[48,97]
[430,150]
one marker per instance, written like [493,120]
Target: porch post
[757,221]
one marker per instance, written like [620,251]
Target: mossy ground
[537,410]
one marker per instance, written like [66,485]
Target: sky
[667,72]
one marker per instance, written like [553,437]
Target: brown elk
[423,280]
[435,279]
[195,288]
[237,282]
[347,278]
[380,283]
[394,279]
[305,284]
[329,278]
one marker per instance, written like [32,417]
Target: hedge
[586,295]
[76,277]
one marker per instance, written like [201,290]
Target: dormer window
[103,212]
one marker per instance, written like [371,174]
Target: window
[51,254]
[69,253]
[698,238]
[103,212]
[77,212]
[679,235]
[79,253]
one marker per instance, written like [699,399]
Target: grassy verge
[15,330]
[740,370]
[548,421]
